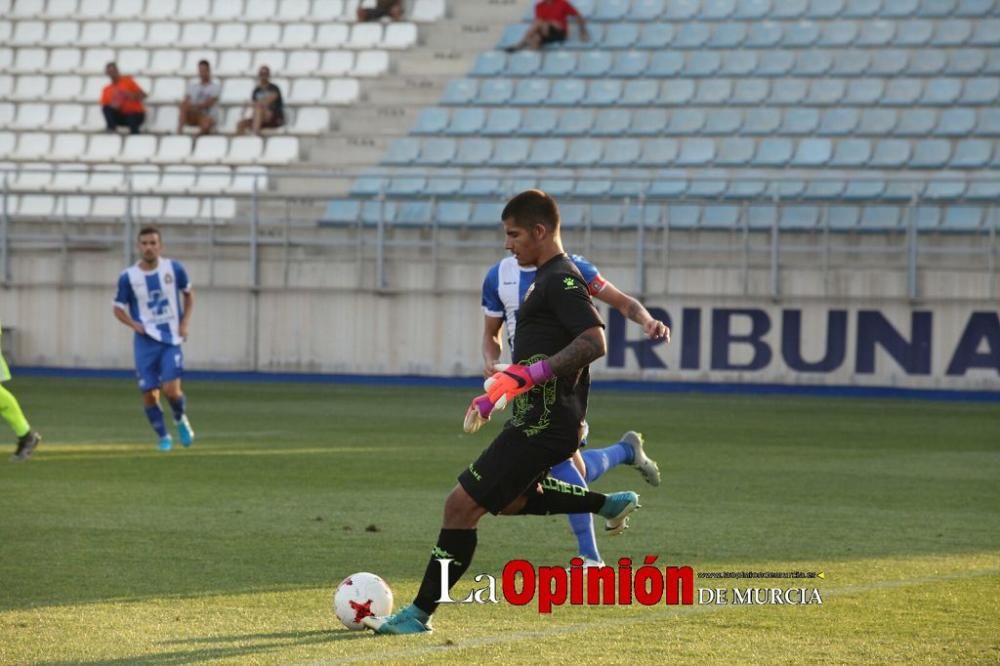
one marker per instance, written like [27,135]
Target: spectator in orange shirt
[551,25]
[121,101]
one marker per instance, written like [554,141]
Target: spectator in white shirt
[198,109]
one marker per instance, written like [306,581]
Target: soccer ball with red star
[360,595]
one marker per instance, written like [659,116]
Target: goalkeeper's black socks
[561,497]
[456,545]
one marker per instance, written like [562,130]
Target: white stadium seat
[306,91]
[209,150]
[103,148]
[69,178]
[138,148]
[233,63]
[245,150]
[7,142]
[68,147]
[111,207]
[229,35]
[218,208]
[28,9]
[298,36]
[273,58]
[60,8]
[29,61]
[245,177]
[324,11]
[191,60]
[95,33]
[137,59]
[166,61]
[182,208]
[301,63]
[342,91]
[281,150]
[234,115]
[337,63]
[31,116]
[400,36]
[427,11]
[96,59]
[6,85]
[167,89]
[143,178]
[332,35]
[259,11]
[365,36]
[90,88]
[191,10]
[106,178]
[128,9]
[96,9]
[36,205]
[93,118]
[65,117]
[371,63]
[30,87]
[7,112]
[63,33]
[178,179]
[236,90]
[196,35]
[6,58]
[150,208]
[227,10]
[264,35]
[130,33]
[74,205]
[32,146]
[293,10]
[161,119]
[311,120]
[65,59]
[213,179]
[161,9]
[165,34]
[28,33]
[173,149]
[32,177]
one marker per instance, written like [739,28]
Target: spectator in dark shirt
[391,8]
[551,25]
[266,104]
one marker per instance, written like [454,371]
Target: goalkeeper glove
[509,382]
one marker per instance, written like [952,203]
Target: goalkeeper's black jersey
[556,309]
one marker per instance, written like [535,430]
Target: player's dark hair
[532,207]
[145,231]
[203,62]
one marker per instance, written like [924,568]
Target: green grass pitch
[112,553]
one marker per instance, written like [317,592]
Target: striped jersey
[153,298]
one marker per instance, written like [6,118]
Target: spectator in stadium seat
[266,104]
[121,101]
[551,25]
[391,8]
[198,108]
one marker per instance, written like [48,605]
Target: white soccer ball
[359,596]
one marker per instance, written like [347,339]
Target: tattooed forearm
[584,350]
[633,310]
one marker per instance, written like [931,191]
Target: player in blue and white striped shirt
[154,299]
[504,289]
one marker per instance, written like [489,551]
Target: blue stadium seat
[402,151]
[813,62]
[739,63]
[839,121]
[951,32]
[714,91]
[966,62]
[523,63]
[696,152]
[708,184]
[916,122]
[789,91]
[728,35]
[495,92]
[744,188]
[941,91]
[538,122]
[799,217]
[676,91]
[547,152]
[900,8]
[974,7]
[530,92]
[593,63]
[432,120]
[877,121]
[558,63]
[691,36]
[414,213]
[715,10]
[799,120]
[941,189]
[800,34]
[583,152]
[721,121]
[930,62]
[812,152]
[373,211]
[720,216]
[473,152]
[868,189]
[889,62]
[629,64]
[444,182]
[826,91]
[862,8]
[916,32]
[648,215]
[685,121]
[753,9]
[646,10]
[963,218]
[406,186]
[750,91]
[640,92]
[668,183]
[936,8]
[467,121]
[764,34]
[482,184]
[956,122]
[620,35]
[761,120]
[603,92]
[877,32]
[842,217]
[597,183]
[702,63]
[930,154]
[972,154]
[989,122]
[773,151]
[902,92]
[863,92]
[664,64]
[486,214]
[681,10]
[437,151]
[773,62]
[502,122]
[984,190]
[605,215]
[735,152]
[567,92]
[903,191]
[574,121]
[631,183]
[648,121]
[823,188]
[851,153]
[761,216]
[655,36]
[611,122]
[585,7]
[510,152]
[460,91]
[838,33]
[557,185]
[597,32]
[683,216]
[512,35]
[890,153]
[489,63]
[881,218]
[611,10]
[571,216]
[341,211]
[980,91]
[621,152]
[658,152]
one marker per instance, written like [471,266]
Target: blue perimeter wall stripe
[476,383]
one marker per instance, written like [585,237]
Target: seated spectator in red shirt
[551,25]
[121,101]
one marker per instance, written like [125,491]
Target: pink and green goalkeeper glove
[510,381]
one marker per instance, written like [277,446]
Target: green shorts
[4,370]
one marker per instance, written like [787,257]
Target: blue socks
[177,407]
[599,461]
[582,524]
[155,416]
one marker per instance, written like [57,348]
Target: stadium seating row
[144,178]
[712,121]
[769,34]
[700,151]
[675,215]
[214,149]
[717,10]
[205,10]
[175,62]
[805,62]
[171,89]
[116,207]
[169,34]
[938,91]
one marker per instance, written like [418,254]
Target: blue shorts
[156,363]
